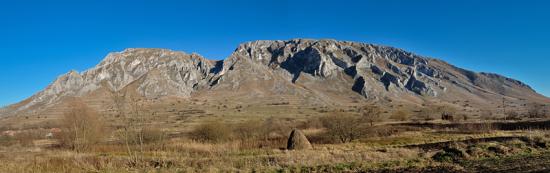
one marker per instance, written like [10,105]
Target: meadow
[83,140]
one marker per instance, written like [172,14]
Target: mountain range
[303,72]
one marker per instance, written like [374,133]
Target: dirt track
[526,163]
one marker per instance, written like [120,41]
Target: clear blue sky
[40,40]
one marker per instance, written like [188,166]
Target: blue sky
[40,40]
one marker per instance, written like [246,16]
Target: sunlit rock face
[300,67]
[371,66]
[159,72]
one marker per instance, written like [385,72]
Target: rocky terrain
[299,72]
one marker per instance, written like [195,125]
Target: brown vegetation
[427,113]
[535,110]
[344,127]
[212,132]
[343,141]
[81,127]
[400,115]
[371,114]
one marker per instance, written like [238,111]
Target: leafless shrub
[81,127]
[427,113]
[153,135]
[447,113]
[323,138]
[26,138]
[275,127]
[344,127]
[371,114]
[512,115]
[212,131]
[431,111]
[400,115]
[270,133]
[535,110]
[249,130]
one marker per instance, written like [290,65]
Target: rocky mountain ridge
[309,68]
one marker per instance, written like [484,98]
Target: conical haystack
[298,141]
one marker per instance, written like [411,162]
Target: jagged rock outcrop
[160,72]
[316,70]
[371,66]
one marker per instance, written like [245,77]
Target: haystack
[298,141]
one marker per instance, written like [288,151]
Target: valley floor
[413,150]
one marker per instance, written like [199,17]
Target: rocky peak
[120,69]
[292,66]
[179,71]
[392,69]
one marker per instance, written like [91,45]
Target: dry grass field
[234,137]
[408,151]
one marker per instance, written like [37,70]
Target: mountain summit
[311,72]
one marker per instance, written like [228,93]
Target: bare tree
[119,103]
[430,111]
[81,126]
[447,112]
[535,110]
[371,114]
[129,108]
[344,127]
[427,113]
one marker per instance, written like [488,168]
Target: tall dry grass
[193,156]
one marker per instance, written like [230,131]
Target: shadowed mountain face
[325,72]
